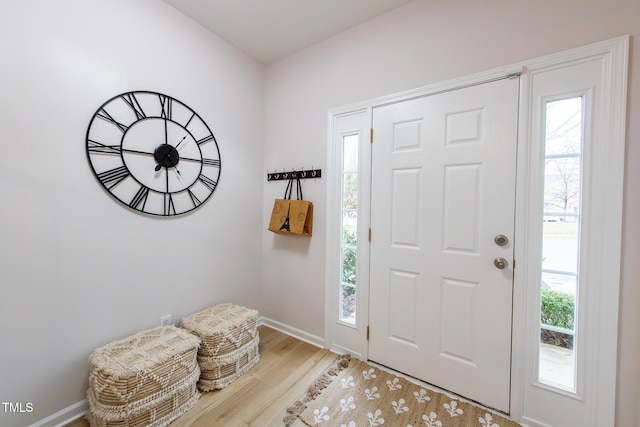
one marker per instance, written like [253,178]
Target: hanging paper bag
[293,217]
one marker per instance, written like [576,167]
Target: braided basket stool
[229,345]
[147,379]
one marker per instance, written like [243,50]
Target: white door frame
[604,305]
[603,200]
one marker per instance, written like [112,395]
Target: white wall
[422,43]
[77,268]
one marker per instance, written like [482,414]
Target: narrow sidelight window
[349,229]
[560,248]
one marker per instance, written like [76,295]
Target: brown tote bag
[292,217]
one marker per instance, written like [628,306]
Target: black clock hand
[177,145]
[128,150]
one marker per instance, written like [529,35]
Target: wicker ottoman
[147,379]
[229,346]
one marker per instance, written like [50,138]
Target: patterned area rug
[353,393]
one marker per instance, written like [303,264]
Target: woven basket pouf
[229,343]
[219,372]
[147,379]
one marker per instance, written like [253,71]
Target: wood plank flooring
[260,397]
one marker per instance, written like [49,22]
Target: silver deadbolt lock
[500,263]
[501,240]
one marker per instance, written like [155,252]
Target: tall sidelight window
[560,242]
[349,229]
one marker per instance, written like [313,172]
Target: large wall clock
[153,153]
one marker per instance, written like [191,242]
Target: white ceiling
[268,30]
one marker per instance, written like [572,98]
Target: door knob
[501,240]
[500,263]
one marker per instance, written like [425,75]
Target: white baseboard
[79,409]
[294,332]
[64,416]
[343,350]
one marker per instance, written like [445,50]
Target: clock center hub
[166,155]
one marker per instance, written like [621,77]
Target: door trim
[615,54]
[607,183]
[339,337]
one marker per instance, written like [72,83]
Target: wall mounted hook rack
[302,174]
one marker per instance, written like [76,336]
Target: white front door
[443,191]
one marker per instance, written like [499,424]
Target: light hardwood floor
[260,397]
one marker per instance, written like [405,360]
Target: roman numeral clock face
[153,153]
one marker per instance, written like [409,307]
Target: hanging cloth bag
[292,217]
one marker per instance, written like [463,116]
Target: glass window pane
[559,282]
[563,133]
[560,243]
[348,304]
[350,153]
[562,186]
[348,244]
[350,191]
[349,238]
[349,266]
